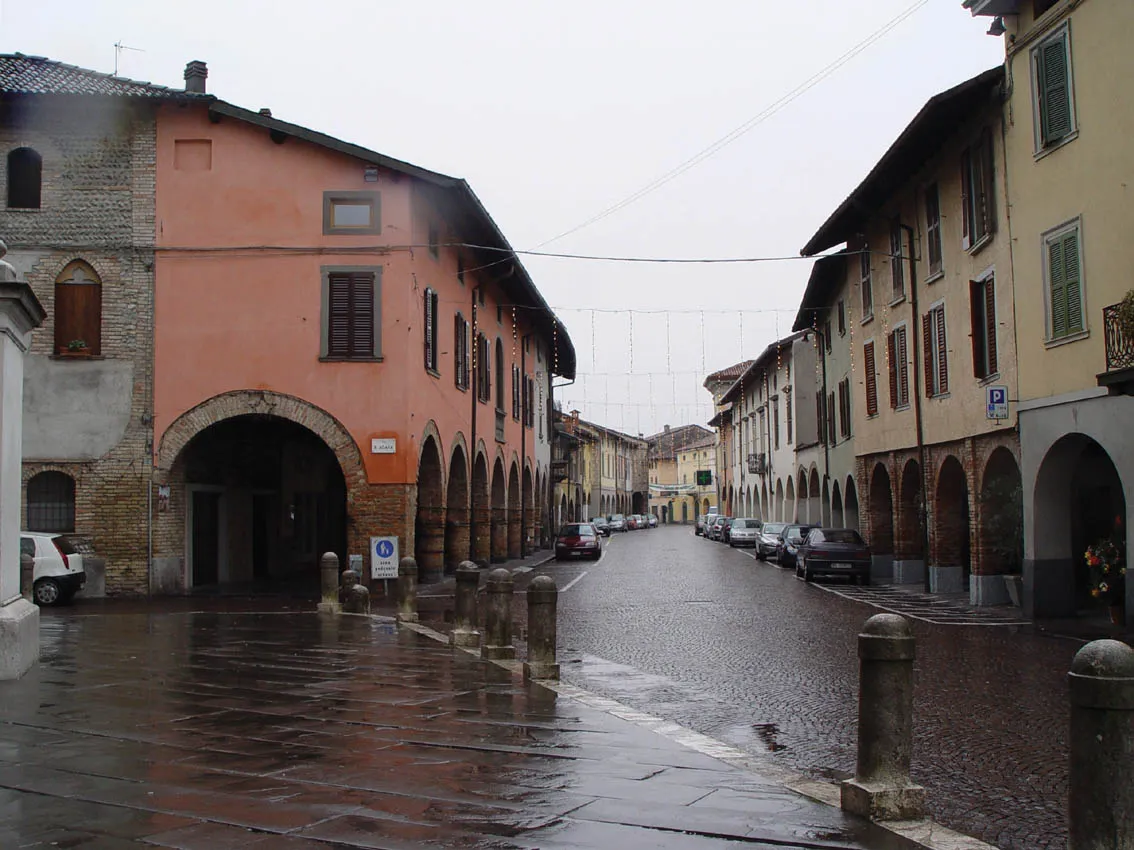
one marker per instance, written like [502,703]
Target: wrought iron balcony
[1119,375]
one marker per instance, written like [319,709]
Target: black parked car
[834,552]
[601,525]
[725,529]
[791,538]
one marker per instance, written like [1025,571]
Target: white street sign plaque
[997,402]
[383,446]
[383,557]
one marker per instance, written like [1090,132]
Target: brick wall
[97,206]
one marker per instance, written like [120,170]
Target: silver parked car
[744,532]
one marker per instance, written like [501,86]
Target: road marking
[573,581]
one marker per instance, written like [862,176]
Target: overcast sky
[556,111]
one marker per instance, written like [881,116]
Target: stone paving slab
[213,730]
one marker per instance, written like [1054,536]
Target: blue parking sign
[997,402]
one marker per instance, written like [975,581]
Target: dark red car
[834,552]
[578,538]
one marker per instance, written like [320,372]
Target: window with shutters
[827,335]
[821,413]
[1063,269]
[982,314]
[897,262]
[775,423]
[832,436]
[352,310]
[871,373]
[935,355]
[842,311]
[933,230]
[866,284]
[430,323]
[787,415]
[51,502]
[1053,92]
[351,213]
[483,369]
[499,375]
[897,358]
[461,359]
[977,210]
[528,402]
[844,407]
[517,393]
[78,311]
[25,179]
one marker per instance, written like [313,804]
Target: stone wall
[97,206]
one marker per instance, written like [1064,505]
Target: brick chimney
[196,73]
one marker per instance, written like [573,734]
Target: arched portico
[909,557]
[482,512]
[429,526]
[881,523]
[850,506]
[457,544]
[515,536]
[951,546]
[499,513]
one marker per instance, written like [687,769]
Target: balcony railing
[1119,347]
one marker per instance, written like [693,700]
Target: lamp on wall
[997,27]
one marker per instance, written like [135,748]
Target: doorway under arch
[881,513]
[499,513]
[951,529]
[837,520]
[850,506]
[457,511]
[481,542]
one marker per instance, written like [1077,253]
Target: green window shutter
[1057,284]
[1054,91]
[1071,282]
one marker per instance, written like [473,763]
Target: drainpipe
[914,326]
[826,442]
[475,387]
[523,441]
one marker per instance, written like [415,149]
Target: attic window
[25,178]
[351,212]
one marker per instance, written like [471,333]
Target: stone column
[430,548]
[407,591]
[498,618]
[543,600]
[514,535]
[1101,798]
[20,313]
[881,788]
[465,631]
[329,582]
[456,537]
[499,535]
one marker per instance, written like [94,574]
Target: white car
[744,532]
[59,572]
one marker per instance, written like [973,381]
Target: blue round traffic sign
[384,548]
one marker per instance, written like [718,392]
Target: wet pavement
[222,729]
[742,651]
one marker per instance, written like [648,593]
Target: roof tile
[21,74]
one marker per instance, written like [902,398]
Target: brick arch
[263,403]
[431,431]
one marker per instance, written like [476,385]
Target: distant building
[682,473]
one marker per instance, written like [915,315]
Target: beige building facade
[1069,121]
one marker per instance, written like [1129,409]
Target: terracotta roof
[729,373]
[668,443]
[20,74]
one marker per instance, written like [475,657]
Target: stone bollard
[347,580]
[407,590]
[27,576]
[498,617]
[543,599]
[329,573]
[1101,796]
[465,631]
[357,600]
[881,788]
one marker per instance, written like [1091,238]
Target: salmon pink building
[345,347]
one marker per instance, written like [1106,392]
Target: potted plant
[78,348]
[1125,316]
[1108,576]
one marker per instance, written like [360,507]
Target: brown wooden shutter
[427,334]
[338,320]
[892,360]
[977,326]
[988,208]
[966,198]
[871,379]
[362,315]
[990,322]
[927,351]
[942,352]
[903,367]
[831,432]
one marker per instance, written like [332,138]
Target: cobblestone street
[741,650]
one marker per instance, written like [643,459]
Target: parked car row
[808,548]
[622,522]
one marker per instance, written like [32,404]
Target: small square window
[351,212]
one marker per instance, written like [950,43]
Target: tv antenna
[118,48]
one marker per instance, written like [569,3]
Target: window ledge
[1063,340]
[327,359]
[78,357]
[23,209]
[978,246]
[901,408]
[462,389]
[985,381]
[940,396]
[1050,149]
[936,276]
[865,320]
[433,372]
[898,300]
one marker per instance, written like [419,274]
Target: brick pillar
[514,531]
[499,535]
[456,537]
[429,550]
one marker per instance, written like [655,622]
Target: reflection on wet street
[290,730]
